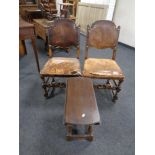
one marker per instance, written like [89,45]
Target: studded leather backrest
[64,33]
[102,34]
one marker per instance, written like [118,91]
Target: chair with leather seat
[103,34]
[63,34]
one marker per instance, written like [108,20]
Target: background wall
[124,16]
[111,4]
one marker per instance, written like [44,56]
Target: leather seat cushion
[61,66]
[102,68]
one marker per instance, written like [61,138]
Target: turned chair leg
[45,90]
[50,51]
[115,92]
[44,87]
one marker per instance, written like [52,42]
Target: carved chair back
[102,34]
[44,6]
[64,33]
[48,9]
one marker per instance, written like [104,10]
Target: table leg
[22,47]
[46,45]
[90,131]
[69,132]
[35,53]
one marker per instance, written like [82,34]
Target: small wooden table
[33,14]
[26,31]
[81,107]
[42,27]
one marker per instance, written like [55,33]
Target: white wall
[111,4]
[124,16]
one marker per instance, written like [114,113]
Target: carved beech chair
[64,34]
[101,35]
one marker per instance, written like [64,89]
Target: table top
[81,107]
[28,5]
[43,22]
[31,10]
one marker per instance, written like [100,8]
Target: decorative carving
[63,34]
[48,9]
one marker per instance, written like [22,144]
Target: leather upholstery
[102,68]
[64,33]
[61,66]
[103,34]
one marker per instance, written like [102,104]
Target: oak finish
[48,9]
[27,4]
[81,107]
[65,8]
[26,31]
[68,9]
[63,34]
[42,27]
[101,35]
[22,48]
[33,14]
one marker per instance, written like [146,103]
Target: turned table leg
[90,133]
[69,132]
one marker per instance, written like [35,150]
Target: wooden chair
[63,34]
[48,9]
[68,8]
[101,35]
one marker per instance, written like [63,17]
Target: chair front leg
[78,52]
[117,90]
[44,86]
[50,51]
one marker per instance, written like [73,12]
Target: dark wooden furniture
[26,31]
[48,9]
[101,35]
[68,9]
[63,34]
[65,9]
[80,107]
[22,48]
[42,27]
[35,9]
[27,4]
[75,3]
[31,14]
